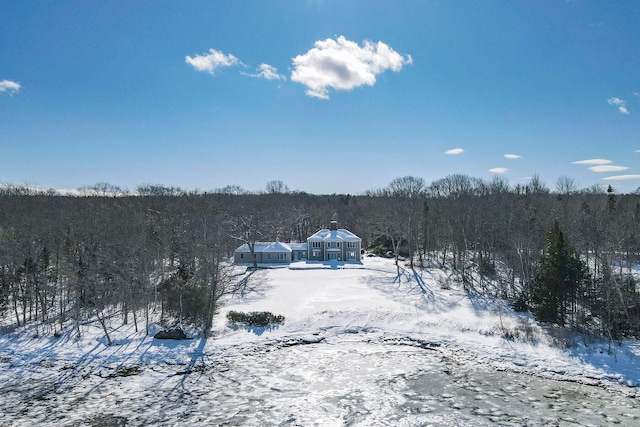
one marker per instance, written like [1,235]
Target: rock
[171,334]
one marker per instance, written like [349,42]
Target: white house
[325,245]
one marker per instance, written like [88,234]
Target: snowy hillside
[382,301]
[361,344]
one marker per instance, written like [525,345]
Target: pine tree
[560,276]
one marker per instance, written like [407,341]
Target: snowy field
[361,345]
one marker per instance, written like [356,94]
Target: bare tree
[102,189]
[566,185]
[409,187]
[235,190]
[276,187]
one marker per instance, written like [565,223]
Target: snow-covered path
[361,345]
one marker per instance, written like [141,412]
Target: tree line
[566,255]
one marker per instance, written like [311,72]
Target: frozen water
[343,380]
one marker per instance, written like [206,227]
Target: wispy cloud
[454,151]
[593,162]
[621,177]
[512,156]
[211,61]
[10,87]
[498,170]
[620,104]
[267,72]
[341,64]
[607,168]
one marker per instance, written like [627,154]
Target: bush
[520,304]
[526,331]
[254,318]
[379,250]
[487,268]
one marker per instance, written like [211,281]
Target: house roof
[257,247]
[262,247]
[274,247]
[277,247]
[338,235]
[298,246]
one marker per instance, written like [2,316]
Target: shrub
[520,304]
[255,318]
[487,268]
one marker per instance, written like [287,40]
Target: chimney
[334,225]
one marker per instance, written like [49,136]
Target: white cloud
[267,72]
[593,162]
[211,61]
[620,103]
[498,170]
[607,168]
[621,177]
[454,151]
[10,87]
[343,65]
[512,156]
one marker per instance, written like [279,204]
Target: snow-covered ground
[361,344]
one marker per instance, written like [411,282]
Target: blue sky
[327,96]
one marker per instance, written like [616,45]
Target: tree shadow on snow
[257,330]
[197,363]
[485,304]
[70,374]
[411,286]
[250,288]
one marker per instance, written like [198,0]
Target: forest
[566,255]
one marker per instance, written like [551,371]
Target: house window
[268,256]
[351,244]
[351,255]
[338,244]
[241,256]
[315,244]
[315,254]
[282,256]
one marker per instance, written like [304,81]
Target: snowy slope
[384,301]
[361,344]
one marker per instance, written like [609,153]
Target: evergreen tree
[560,276]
